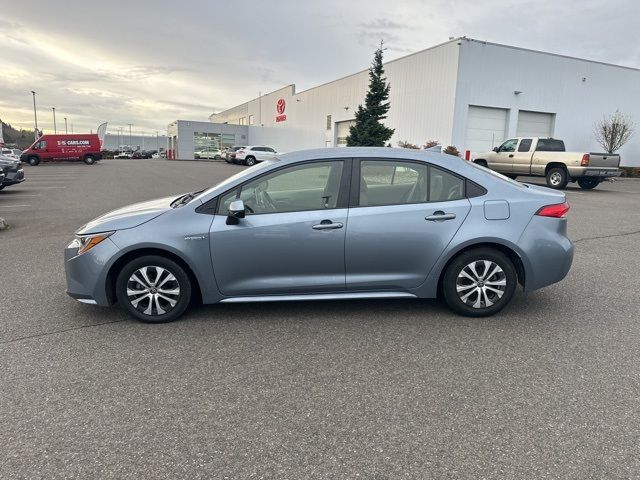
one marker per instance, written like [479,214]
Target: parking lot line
[13,206]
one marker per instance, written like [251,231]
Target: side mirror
[496,149]
[236,212]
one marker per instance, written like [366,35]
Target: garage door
[486,128]
[535,124]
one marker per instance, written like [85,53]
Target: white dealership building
[465,92]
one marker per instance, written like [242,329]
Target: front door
[407,214]
[502,160]
[292,237]
[522,157]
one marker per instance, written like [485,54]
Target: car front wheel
[479,282]
[89,160]
[153,289]
[33,161]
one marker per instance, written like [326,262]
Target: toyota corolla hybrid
[337,223]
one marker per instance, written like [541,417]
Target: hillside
[22,138]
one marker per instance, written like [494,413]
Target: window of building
[250,119]
[328,122]
[242,121]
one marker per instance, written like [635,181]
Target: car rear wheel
[588,183]
[479,282]
[557,178]
[153,289]
[89,160]
[249,161]
[33,161]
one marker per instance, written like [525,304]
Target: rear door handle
[327,225]
[440,216]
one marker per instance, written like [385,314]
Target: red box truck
[84,147]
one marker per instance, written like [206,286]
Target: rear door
[403,215]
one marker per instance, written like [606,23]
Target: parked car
[56,148]
[230,154]
[337,223]
[122,155]
[159,155]
[213,153]
[10,153]
[11,170]
[546,157]
[254,154]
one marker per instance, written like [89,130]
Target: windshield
[244,173]
[496,174]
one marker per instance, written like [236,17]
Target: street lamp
[35,115]
[130,124]
[55,129]
[65,125]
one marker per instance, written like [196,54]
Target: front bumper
[86,274]
[12,178]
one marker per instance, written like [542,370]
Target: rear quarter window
[550,145]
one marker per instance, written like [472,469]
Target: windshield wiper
[184,199]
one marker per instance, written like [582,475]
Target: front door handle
[327,225]
[440,216]
[511,156]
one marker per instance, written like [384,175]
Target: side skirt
[317,296]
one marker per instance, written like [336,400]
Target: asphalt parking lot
[549,388]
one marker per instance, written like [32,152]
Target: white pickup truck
[546,157]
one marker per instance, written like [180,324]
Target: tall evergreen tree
[369,131]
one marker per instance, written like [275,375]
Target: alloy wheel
[153,290]
[481,284]
[555,178]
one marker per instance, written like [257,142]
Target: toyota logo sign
[280,106]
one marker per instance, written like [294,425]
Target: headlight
[84,243]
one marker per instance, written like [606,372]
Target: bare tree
[614,131]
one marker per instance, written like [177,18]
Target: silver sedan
[328,224]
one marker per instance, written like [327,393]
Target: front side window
[509,145]
[313,186]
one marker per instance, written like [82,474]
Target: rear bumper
[549,253]
[602,172]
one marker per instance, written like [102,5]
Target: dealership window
[328,122]
[206,142]
[342,132]
[227,140]
[250,119]
[242,121]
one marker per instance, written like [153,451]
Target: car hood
[5,160]
[128,217]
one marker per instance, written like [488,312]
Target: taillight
[585,160]
[559,210]
[240,151]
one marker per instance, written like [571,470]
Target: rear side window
[550,145]
[444,186]
[525,145]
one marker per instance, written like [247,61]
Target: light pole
[157,143]
[130,124]
[65,125]
[55,129]
[35,115]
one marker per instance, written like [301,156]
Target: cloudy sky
[151,62]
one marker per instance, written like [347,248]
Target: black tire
[250,161]
[451,281]
[33,161]
[2,186]
[482,163]
[196,157]
[588,183]
[217,157]
[511,176]
[89,160]
[182,281]
[557,178]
